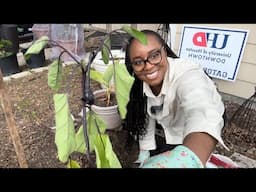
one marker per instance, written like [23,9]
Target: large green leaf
[92,131]
[80,142]
[98,76]
[93,121]
[55,75]
[108,74]
[105,50]
[105,156]
[110,154]
[135,33]
[101,160]
[124,82]
[36,47]
[65,132]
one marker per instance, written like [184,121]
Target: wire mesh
[241,129]
[245,116]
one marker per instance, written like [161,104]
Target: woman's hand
[179,157]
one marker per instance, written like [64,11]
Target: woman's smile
[152,76]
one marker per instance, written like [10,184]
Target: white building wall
[245,83]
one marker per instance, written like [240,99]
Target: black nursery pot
[37,60]
[9,65]
[10,32]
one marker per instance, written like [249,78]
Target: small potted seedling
[8,59]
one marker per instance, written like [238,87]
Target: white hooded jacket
[191,103]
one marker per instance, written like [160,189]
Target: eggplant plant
[91,136]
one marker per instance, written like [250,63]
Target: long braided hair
[136,118]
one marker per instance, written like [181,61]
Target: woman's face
[149,62]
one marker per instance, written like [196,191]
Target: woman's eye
[140,62]
[154,55]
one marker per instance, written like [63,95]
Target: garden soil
[32,105]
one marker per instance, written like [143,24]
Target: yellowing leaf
[101,160]
[105,156]
[108,74]
[92,120]
[124,82]
[105,50]
[80,141]
[36,47]
[73,164]
[97,76]
[65,132]
[135,33]
[110,155]
[55,75]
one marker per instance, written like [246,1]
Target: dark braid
[136,117]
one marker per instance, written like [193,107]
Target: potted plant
[91,136]
[10,32]
[8,59]
[37,60]
[105,100]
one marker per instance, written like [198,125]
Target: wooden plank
[109,28]
[134,26]
[6,105]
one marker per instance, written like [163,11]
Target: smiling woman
[35,121]
[185,103]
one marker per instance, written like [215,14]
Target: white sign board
[219,51]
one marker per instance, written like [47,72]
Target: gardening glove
[179,157]
[143,156]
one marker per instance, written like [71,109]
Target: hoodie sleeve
[202,105]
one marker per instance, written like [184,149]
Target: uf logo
[212,40]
